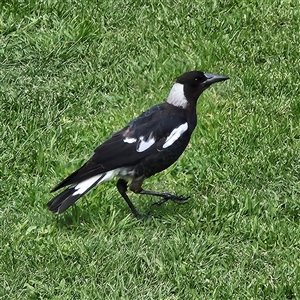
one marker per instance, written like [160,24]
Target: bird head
[190,85]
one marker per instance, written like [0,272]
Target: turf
[74,72]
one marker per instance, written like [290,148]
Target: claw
[182,200]
[158,203]
[177,199]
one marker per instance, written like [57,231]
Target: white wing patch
[82,186]
[175,135]
[145,144]
[177,97]
[124,172]
[109,175]
[129,140]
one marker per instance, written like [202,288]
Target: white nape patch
[129,140]
[177,97]
[175,135]
[82,186]
[145,144]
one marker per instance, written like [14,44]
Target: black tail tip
[52,208]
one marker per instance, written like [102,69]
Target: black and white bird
[147,145]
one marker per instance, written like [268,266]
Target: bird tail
[68,197]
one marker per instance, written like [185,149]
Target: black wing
[142,137]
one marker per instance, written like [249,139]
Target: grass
[74,72]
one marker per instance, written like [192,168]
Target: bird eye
[198,79]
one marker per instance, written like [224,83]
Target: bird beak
[213,78]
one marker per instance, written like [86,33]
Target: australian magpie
[147,145]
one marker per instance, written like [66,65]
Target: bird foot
[180,199]
[174,198]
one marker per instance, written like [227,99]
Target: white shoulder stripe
[145,144]
[129,140]
[175,135]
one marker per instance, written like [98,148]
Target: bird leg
[166,197]
[136,187]
[122,188]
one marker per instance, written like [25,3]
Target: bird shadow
[78,216]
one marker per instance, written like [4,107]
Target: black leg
[166,197]
[122,188]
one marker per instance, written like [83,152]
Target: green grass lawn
[74,72]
